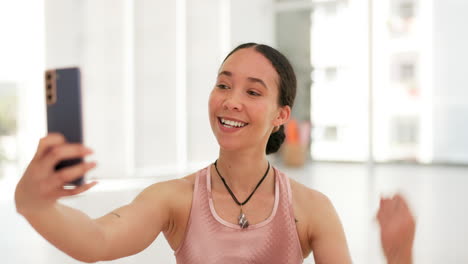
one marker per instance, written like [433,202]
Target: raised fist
[397,228]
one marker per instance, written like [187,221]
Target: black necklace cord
[229,189]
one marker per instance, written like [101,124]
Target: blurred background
[382,105]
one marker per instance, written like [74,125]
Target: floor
[436,195]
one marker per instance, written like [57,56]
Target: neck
[243,171]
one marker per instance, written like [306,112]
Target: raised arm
[126,231]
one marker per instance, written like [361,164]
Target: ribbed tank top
[209,239]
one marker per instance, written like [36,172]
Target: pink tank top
[209,239]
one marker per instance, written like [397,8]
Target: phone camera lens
[49,86]
[49,97]
[49,77]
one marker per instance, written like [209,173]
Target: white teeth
[232,123]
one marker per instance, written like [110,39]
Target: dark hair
[287,85]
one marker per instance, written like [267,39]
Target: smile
[231,123]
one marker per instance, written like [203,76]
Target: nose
[232,102]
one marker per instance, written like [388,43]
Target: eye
[222,86]
[253,93]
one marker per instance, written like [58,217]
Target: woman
[238,210]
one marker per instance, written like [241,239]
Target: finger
[382,209]
[395,203]
[78,190]
[45,143]
[401,201]
[65,152]
[69,174]
[404,209]
[385,210]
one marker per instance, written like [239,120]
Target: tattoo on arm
[116,214]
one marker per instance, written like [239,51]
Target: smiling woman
[238,210]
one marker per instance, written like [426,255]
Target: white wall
[155,82]
[21,64]
[204,25]
[450,62]
[252,21]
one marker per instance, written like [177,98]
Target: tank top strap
[285,182]
[196,204]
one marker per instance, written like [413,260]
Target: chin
[229,144]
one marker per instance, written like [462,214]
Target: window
[405,131]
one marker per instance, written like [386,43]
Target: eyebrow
[251,79]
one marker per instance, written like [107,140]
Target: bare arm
[69,230]
[127,231]
[132,228]
[123,232]
[327,239]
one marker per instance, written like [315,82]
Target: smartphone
[64,115]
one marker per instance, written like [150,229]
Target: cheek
[211,102]
[265,108]
[214,104]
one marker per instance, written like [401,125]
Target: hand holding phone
[41,184]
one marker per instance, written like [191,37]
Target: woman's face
[243,106]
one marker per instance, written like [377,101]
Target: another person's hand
[397,228]
[41,185]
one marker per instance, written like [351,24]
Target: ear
[284,113]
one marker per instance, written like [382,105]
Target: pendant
[243,222]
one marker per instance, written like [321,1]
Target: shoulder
[314,206]
[309,198]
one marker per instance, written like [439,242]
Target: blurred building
[405,56]
[339,94]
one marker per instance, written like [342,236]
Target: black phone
[64,115]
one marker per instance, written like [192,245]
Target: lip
[230,129]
